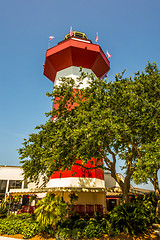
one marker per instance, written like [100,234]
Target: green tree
[148,166]
[148,163]
[107,121]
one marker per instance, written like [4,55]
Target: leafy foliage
[66,223]
[21,216]
[63,234]
[80,224]
[134,217]
[27,227]
[98,216]
[77,233]
[148,166]
[93,229]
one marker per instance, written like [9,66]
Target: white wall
[74,73]
[11,173]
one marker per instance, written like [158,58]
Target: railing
[99,208]
[28,209]
[88,209]
[81,209]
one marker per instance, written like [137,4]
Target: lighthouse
[65,60]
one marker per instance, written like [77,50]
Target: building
[11,177]
[12,183]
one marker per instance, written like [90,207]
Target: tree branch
[113,155]
[135,147]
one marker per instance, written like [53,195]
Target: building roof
[10,166]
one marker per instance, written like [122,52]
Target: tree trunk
[156,189]
[158,209]
[156,186]
[125,190]
[124,185]
[155,183]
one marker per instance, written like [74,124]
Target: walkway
[8,238]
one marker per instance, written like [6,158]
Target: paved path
[8,238]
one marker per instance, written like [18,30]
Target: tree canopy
[115,121]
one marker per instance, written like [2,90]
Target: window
[15,184]
[3,184]
[25,184]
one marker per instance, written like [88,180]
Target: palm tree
[51,209]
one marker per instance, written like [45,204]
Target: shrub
[27,227]
[75,216]
[48,230]
[77,234]
[87,217]
[30,229]
[133,217]
[93,229]
[98,216]
[21,216]
[67,223]
[80,224]
[107,216]
[63,234]
[70,228]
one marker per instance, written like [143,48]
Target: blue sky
[128,29]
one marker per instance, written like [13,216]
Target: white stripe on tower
[73,72]
[80,182]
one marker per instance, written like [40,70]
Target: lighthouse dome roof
[76,34]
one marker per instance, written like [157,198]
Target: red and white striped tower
[64,60]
